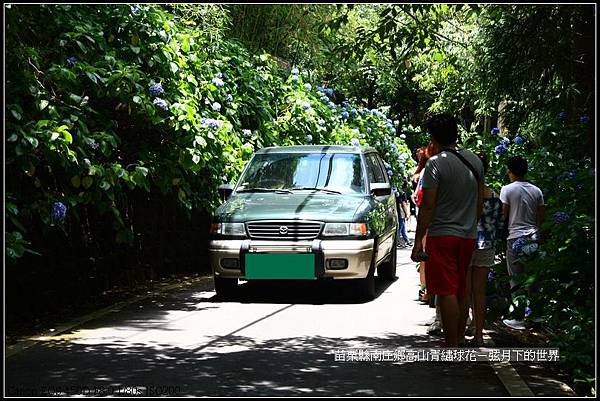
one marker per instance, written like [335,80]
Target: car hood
[304,206]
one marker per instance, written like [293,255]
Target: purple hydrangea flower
[561,217]
[72,61]
[309,138]
[210,123]
[495,131]
[562,116]
[161,103]
[500,149]
[156,89]
[490,276]
[94,146]
[59,211]
[389,173]
[218,82]
[355,142]
[518,139]
[216,106]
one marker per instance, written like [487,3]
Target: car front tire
[225,287]
[387,270]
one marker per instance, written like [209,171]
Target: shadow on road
[243,366]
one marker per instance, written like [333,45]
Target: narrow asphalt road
[273,340]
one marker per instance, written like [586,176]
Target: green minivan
[306,213]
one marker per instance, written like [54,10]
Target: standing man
[403,215]
[452,203]
[524,209]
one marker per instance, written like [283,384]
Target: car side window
[375,171]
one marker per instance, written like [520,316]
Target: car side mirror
[225,191]
[381,189]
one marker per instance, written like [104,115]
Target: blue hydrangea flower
[561,217]
[518,245]
[216,106]
[562,116]
[495,131]
[309,138]
[161,103]
[94,146]
[505,141]
[490,276]
[353,111]
[500,149]
[229,97]
[355,131]
[295,71]
[319,89]
[308,86]
[518,140]
[369,129]
[59,211]
[329,92]
[305,105]
[211,123]
[219,75]
[355,142]
[389,173]
[71,61]
[218,82]
[345,114]
[584,119]
[528,311]
[321,121]
[294,78]
[247,133]
[156,89]
[135,10]
[571,175]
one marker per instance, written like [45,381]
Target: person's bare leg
[479,282]
[450,314]
[463,305]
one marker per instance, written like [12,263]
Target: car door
[384,213]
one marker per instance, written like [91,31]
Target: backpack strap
[465,162]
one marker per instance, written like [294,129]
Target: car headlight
[228,229]
[345,229]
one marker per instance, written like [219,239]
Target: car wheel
[387,270]
[364,288]
[225,287]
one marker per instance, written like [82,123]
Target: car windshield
[328,172]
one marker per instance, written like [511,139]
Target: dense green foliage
[104,103]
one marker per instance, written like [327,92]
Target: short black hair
[443,129]
[517,165]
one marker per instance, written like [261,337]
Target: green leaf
[54,136]
[174,67]
[42,104]
[92,77]
[87,182]
[68,137]
[135,49]
[137,99]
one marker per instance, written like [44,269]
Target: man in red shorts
[452,203]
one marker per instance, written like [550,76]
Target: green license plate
[274,266]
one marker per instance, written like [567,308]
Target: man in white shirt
[523,208]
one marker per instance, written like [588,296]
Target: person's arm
[406,209]
[480,198]
[540,216]
[424,219]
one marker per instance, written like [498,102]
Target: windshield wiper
[282,190]
[317,189]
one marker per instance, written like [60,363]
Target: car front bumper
[358,254]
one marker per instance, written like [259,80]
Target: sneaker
[409,243]
[435,328]
[514,324]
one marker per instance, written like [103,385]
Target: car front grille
[284,230]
